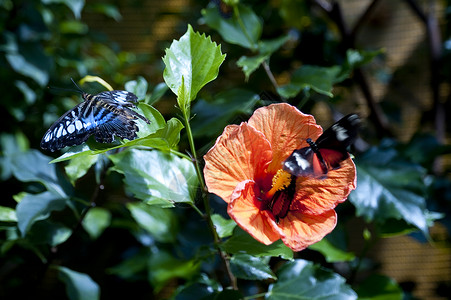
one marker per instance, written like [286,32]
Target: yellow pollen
[280,181]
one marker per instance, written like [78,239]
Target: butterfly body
[327,152]
[104,115]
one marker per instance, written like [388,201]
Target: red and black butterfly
[326,154]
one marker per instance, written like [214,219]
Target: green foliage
[137,214]
[191,63]
[155,177]
[79,286]
[394,188]
[300,279]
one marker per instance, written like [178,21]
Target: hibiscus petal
[315,196]
[286,128]
[244,208]
[240,153]
[298,230]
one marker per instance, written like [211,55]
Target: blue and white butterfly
[104,115]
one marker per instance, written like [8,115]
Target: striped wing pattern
[104,115]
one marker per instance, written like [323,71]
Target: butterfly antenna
[79,89]
[64,89]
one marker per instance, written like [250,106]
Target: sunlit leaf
[242,242]
[137,87]
[37,207]
[390,187]
[224,227]
[301,279]
[250,64]
[379,287]
[96,220]
[22,66]
[249,267]
[331,252]
[195,59]
[79,286]
[78,166]
[156,177]
[159,222]
[244,30]
[7,214]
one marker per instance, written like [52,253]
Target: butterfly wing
[121,99]
[333,143]
[106,115]
[70,129]
[327,152]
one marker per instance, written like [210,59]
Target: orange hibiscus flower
[244,168]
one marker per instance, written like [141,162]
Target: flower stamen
[280,181]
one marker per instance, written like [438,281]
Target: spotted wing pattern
[104,115]
[327,153]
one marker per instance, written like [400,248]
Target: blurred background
[403,93]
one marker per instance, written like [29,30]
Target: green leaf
[37,207]
[331,252]
[79,286]
[132,266]
[158,91]
[159,222]
[319,79]
[379,287]
[7,214]
[21,65]
[109,10]
[242,242]
[224,227]
[163,267]
[249,64]
[356,59]
[300,279]
[390,187]
[271,46]
[73,27]
[156,177]
[242,29]
[33,166]
[193,60]
[47,232]
[79,166]
[249,267]
[265,50]
[138,87]
[97,219]
[211,117]
[75,5]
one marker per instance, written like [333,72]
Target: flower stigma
[281,194]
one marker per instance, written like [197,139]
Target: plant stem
[207,215]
